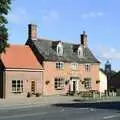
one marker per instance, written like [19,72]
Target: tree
[4,9]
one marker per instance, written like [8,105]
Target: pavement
[22,102]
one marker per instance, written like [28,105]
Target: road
[75,111]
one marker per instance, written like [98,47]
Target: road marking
[23,115]
[62,110]
[91,109]
[111,116]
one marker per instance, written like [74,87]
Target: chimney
[32,32]
[84,39]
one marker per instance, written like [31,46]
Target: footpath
[24,102]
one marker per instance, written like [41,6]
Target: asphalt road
[70,111]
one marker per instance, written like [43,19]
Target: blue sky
[66,19]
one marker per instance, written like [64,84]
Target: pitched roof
[20,56]
[47,50]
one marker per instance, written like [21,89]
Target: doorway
[74,86]
[33,87]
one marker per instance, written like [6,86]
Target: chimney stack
[32,32]
[84,39]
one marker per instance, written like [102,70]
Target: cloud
[51,16]
[92,15]
[18,16]
[108,53]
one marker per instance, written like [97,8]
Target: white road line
[111,116]
[23,115]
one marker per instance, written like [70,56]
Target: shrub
[38,94]
[29,94]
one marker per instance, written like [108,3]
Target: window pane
[17,86]
[58,83]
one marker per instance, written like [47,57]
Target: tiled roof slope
[47,50]
[20,56]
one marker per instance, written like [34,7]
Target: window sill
[17,92]
[60,69]
[58,88]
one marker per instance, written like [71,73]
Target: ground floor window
[59,83]
[87,83]
[17,86]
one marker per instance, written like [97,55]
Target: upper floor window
[60,65]
[80,51]
[87,67]
[59,49]
[74,66]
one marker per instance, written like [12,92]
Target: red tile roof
[20,56]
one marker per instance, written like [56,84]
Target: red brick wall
[50,72]
[27,77]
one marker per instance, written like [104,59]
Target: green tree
[4,9]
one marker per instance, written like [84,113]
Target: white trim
[59,49]
[80,52]
[77,84]
[28,70]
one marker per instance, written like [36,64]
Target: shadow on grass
[99,105]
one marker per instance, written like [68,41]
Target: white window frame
[87,67]
[17,86]
[74,66]
[87,83]
[80,52]
[59,83]
[60,65]
[59,49]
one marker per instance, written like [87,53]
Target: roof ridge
[56,41]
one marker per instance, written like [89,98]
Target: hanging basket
[47,82]
[97,81]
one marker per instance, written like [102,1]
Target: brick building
[67,66]
[20,72]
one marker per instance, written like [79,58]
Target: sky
[65,20]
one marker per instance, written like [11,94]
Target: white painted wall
[103,81]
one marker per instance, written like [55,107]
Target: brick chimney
[84,39]
[32,32]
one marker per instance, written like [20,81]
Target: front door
[33,87]
[74,86]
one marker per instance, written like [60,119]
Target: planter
[38,94]
[29,94]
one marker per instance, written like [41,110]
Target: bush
[38,94]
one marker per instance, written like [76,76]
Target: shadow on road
[100,105]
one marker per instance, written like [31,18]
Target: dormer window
[80,51]
[59,49]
